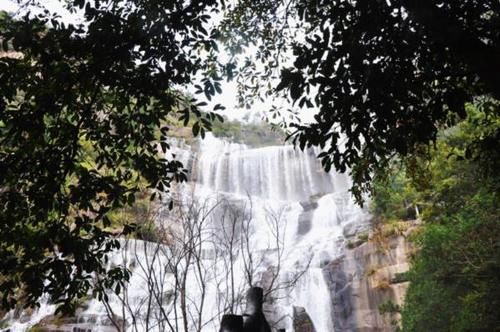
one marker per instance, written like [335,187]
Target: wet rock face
[364,278]
[340,286]
[305,218]
[305,222]
[309,205]
[351,229]
[301,320]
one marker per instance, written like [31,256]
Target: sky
[8,5]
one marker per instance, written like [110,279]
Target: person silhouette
[254,319]
[231,323]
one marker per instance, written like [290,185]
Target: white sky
[53,5]
[8,5]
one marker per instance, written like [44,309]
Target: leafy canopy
[383,75]
[109,82]
[454,276]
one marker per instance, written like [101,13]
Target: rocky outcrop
[305,218]
[79,323]
[368,275]
[301,320]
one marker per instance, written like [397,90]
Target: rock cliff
[370,275]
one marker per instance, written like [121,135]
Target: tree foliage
[454,280]
[384,75]
[108,82]
[257,134]
[454,277]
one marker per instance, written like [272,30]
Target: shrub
[389,307]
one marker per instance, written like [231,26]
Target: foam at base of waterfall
[15,325]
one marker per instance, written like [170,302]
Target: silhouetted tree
[383,75]
[82,128]
[190,275]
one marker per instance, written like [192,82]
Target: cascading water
[268,214]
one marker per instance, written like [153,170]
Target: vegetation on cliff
[455,276]
[255,134]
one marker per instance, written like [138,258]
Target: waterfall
[264,210]
[314,208]
[274,173]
